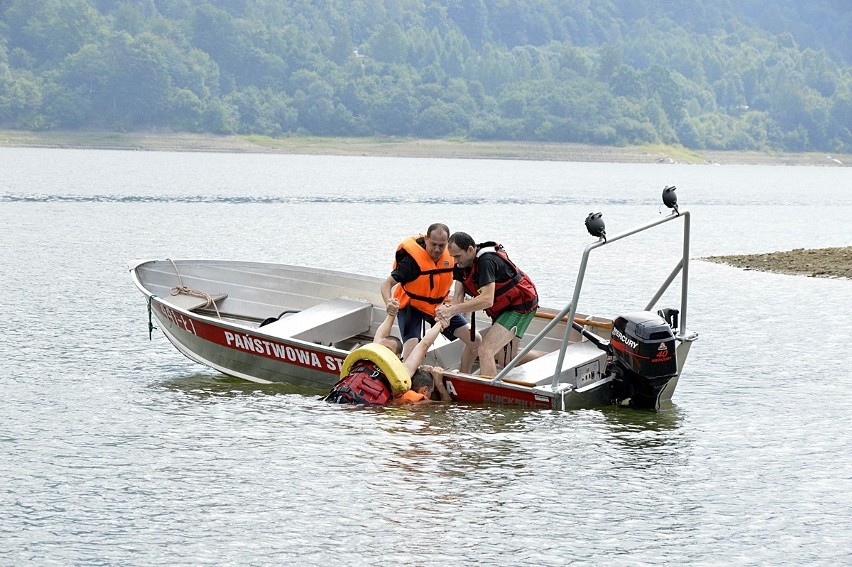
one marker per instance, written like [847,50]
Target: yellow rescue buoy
[390,365]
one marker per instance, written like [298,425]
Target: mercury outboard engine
[643,348]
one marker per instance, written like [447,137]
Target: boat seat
[191,302]
[325,323]
[579,358]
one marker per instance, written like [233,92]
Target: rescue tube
[386,360]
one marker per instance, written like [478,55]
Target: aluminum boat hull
[275,323]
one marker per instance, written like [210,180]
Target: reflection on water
[204,384]
[637,429]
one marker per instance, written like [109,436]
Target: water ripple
[117,450]
[321,199]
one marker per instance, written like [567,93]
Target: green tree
[313,99]
[389,44]
[715,76]
[20,100]
[141,81]
[79,87]
[219,118]
[441,119]
[342,48]
[51,29]
[186,110]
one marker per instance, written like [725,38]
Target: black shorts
[410,321]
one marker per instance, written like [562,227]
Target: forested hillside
[713,74]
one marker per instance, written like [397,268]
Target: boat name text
[284,352]
[178,319]
[504,400]
[491,398]
[450,388]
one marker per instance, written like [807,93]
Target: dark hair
[422,378]
[397,349]
[438,226]
[462,239]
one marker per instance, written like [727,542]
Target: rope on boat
[180,288]
[151,326]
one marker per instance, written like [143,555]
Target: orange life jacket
[411,397]
[432,287]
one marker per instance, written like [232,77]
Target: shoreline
[405,147]
[814,263]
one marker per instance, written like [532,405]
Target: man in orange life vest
[421,280]
[495,284]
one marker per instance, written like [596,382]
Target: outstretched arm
[458,293]
[438,381]
[387,289]
[415,359]
[384,329]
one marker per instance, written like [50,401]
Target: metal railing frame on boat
[571,309]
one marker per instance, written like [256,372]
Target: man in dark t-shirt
[494,283]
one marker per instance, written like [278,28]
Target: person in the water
[374,375]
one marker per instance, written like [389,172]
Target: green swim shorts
[520,321]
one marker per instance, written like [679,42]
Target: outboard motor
[643,347]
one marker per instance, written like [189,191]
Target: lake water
[117,450]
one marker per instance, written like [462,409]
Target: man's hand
[438,383]
[393,307]
[443,321]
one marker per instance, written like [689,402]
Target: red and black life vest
[517,293]
[364,385]
[432,286]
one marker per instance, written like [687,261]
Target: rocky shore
[816,263]
[405,147]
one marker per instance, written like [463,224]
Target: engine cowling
[643,347]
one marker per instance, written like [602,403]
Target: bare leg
[531,355]
[508,352]
[513,350]
[493,342]
[470,349]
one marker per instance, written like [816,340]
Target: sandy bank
[402,147]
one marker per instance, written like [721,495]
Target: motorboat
[276,323]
